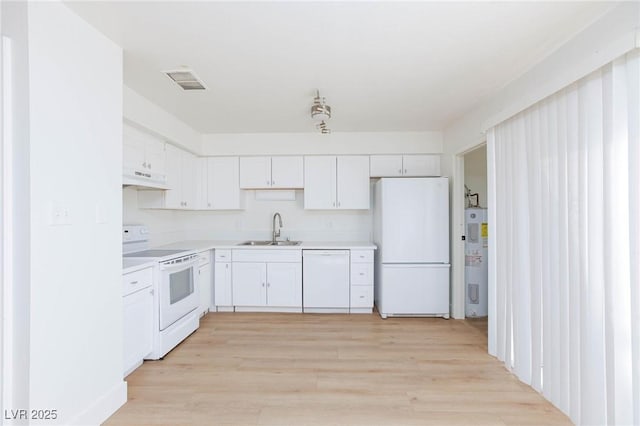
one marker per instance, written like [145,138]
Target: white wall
[475,173]
[255,222]
[316,143]
[612,35]
[76,165]
[148,116]
[165,226]
[15,196]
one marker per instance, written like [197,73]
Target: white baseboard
[103,407]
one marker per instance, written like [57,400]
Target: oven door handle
[179,266]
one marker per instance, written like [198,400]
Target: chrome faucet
[276,234]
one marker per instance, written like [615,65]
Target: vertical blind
[565,265]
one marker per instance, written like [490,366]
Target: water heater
[476,268]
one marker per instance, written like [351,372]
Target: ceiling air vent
[186,79]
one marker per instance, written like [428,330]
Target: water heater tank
[476,268]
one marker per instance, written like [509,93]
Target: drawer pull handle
[361,273]
[133,282]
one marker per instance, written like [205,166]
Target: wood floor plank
[301,369]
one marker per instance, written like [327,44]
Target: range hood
[143,180]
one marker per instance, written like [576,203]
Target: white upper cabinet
[181,178]
[287,172]
[188,180]
[353,182]
[222,184]
[421,165]
[173,197]
[405,165]
[255,172]
[271,172]
[142,153]
[320,182]
[340,182]
[386,165]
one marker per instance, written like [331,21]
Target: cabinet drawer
[362,274]
[137,280]
[204,257]
[222,255]
[361,256]
[267,255]
[362,296]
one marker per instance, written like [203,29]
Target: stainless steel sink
[270,243]
[285,243]
[255,243]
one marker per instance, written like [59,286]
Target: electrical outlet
[59,215]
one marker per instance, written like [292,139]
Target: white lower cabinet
[284,284]
[137,318]
[361,298]
[205,281]
[267,280]
[249,284]
[222,285]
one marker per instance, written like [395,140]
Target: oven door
[178,290]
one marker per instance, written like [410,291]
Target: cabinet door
[249,284]
[138,327]
[284,284]
[204,281]
[287,172]
[353,182]
[188,180]
[201,184]
[255,172]
[385,165]
[133,150]
[320,182]
[173,196]
[222,284]
[223,183]
[421,165]
[155,156]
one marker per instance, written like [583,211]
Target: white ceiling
[382,66]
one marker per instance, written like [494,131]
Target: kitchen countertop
[132,265]
[201,245]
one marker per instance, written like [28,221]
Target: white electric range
[175,289]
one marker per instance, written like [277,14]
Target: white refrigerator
[411,230]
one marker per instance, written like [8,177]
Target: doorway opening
[476,238]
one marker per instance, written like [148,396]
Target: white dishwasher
[325,281]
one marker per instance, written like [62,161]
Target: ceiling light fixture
[322,126]
[321,111]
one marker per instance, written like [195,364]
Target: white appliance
[325,281]
[176,296]
[411,230]
[476,266]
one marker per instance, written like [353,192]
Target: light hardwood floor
[295,369]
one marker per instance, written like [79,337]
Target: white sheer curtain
[565,260]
